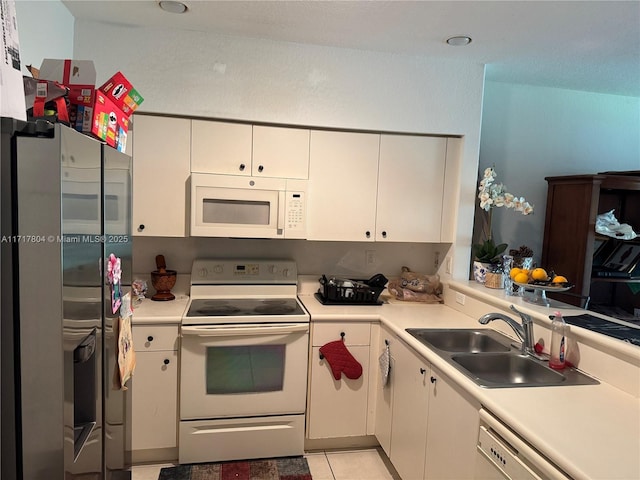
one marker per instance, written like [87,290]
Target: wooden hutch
[571,246]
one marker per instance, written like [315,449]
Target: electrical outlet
[460,298]
[370,257]
[447,264]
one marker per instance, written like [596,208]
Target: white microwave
[247,207]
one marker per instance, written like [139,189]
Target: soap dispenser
[558,342]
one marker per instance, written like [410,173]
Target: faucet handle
[523,316]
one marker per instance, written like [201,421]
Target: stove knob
[273,269]
[217,269]
[202,272]
[285,272]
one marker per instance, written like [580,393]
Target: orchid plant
[494,195]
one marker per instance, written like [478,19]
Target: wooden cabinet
[242,149]
[410,412]
[154,390]
[570,239]
[366,187]
[338,408]
[161,156]
[452,431]
[343,176]
[410,188]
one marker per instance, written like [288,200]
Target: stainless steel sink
[497,369]
[462,340]
[490,360]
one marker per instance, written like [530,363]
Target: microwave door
[230,212]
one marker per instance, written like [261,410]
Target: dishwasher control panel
[503,456]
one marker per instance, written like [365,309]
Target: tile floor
[362,464]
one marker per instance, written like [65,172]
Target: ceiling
[581,45]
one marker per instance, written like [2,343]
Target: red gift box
[79,76]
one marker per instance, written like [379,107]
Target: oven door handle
[231,331]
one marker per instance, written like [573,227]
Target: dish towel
[340,360]
[385,364]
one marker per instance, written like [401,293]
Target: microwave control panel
[295,213]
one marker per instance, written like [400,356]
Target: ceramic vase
[480,270]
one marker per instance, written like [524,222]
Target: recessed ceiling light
[172,7]
[459,40]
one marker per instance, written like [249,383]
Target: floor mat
[287,468]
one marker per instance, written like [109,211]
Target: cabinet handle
[149,338]
[260,168]
[166,361]
[433,379]
[423,371]
[384,234]
[141,227]
[242,167]
[367,234]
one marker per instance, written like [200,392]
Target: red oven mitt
[340,360]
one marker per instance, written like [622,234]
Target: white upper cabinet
[280,152]
[220,147]
[410,188]
[241,149]
[160,175]
[343,177]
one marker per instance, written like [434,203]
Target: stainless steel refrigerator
[65,202]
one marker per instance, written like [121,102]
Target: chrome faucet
[524,331]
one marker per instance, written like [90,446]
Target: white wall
[45,29]
[532,132]
[201,74]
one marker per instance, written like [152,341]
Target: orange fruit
[559,279]
[514,271]
[539,274]
[521,278]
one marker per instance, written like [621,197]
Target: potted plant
[493,195]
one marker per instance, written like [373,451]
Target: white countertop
[590,431]
[150,311]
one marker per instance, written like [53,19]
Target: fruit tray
[547,285]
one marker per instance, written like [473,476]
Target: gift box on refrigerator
[79,76]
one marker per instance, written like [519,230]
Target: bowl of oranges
[539,279]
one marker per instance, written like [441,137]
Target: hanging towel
[340,360]
[385,364]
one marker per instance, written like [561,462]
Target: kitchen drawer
[354,333]
[150,338]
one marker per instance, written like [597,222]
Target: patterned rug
[287,468]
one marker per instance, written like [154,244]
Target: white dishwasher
[502,454]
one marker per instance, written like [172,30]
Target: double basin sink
[491,361]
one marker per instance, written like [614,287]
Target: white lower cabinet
[410,413]
[384,393]
[338,408]
[452,431]
[426,425]
[154,390]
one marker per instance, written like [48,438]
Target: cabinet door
[410,188]
[384,393]
[337,408]
[410,409]
[280,152]
[452,432]
[343,175]
[221,147]
[160,175]
[154,401]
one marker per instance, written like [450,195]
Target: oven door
[243,370]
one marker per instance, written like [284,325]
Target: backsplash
[312,258]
